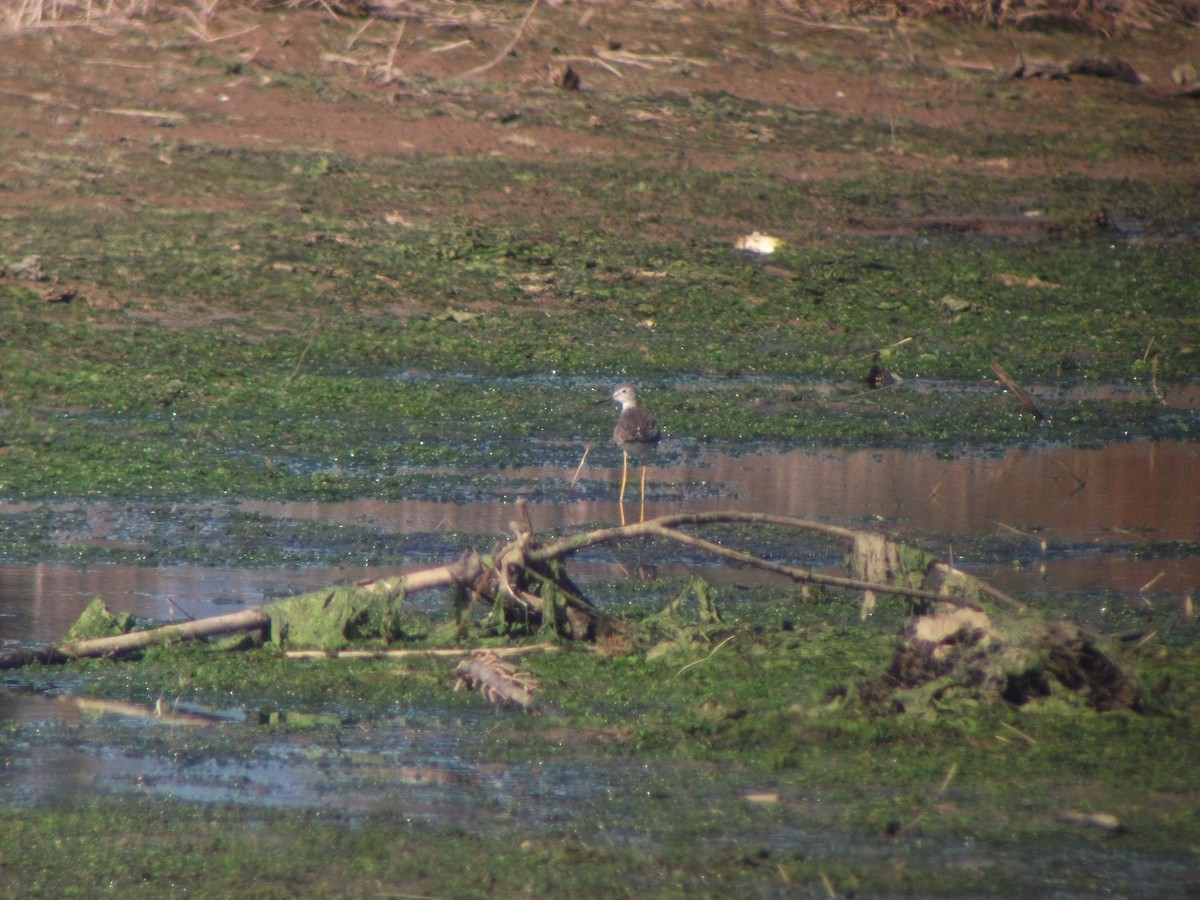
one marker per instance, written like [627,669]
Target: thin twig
[454,45]
[145,113]
[1158,394]
[359,33]
[579,468]
[968,66]
[1147,638]
[875,391]
[1018,732]
[1025,399]
[1080,483]
[1152,582]
[391,58]
[667,527]
[329,9]
[41,98]
[805,575]
[899,343]
[345,60]
[646,61]
[916,820]
[707,658]
[312,337]
[451,652]
[950,772]
[1013,529]
[590,59]
[507,47]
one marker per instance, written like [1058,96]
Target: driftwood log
[964,634]
[252,619]
[522,578]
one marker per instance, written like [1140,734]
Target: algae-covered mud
[295,297]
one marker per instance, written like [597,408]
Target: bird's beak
[605,400]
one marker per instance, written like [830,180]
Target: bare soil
[251,80]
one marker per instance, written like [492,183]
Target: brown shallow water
[1117,519]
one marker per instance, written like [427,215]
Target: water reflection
[40,602]
[1066,512]
[1065,519]
[1139,486]
[1137,490]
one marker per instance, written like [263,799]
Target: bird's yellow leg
[642,514]
[624,479]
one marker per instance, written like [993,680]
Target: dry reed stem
[1110,19]
[389,68]
[448,652]
[507,47]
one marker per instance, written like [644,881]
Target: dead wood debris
[954,652]
[954,646]
[1115,68]
[499,683]
[252,619]
[518,650]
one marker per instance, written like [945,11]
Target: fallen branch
[389,69]
[645,61]
[528,589]
[160,711]
[162,114]
[428,651]
[667,527]
[246,620]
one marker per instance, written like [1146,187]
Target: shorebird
[637,432]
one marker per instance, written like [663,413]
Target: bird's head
[625,396]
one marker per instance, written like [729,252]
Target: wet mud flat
[433,768]
[441,774]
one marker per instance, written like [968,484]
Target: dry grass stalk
[507,47]
[519,650]
[389,68]
[26,15]
[1092,15]
[1016,390]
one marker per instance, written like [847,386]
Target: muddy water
[1053,519]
